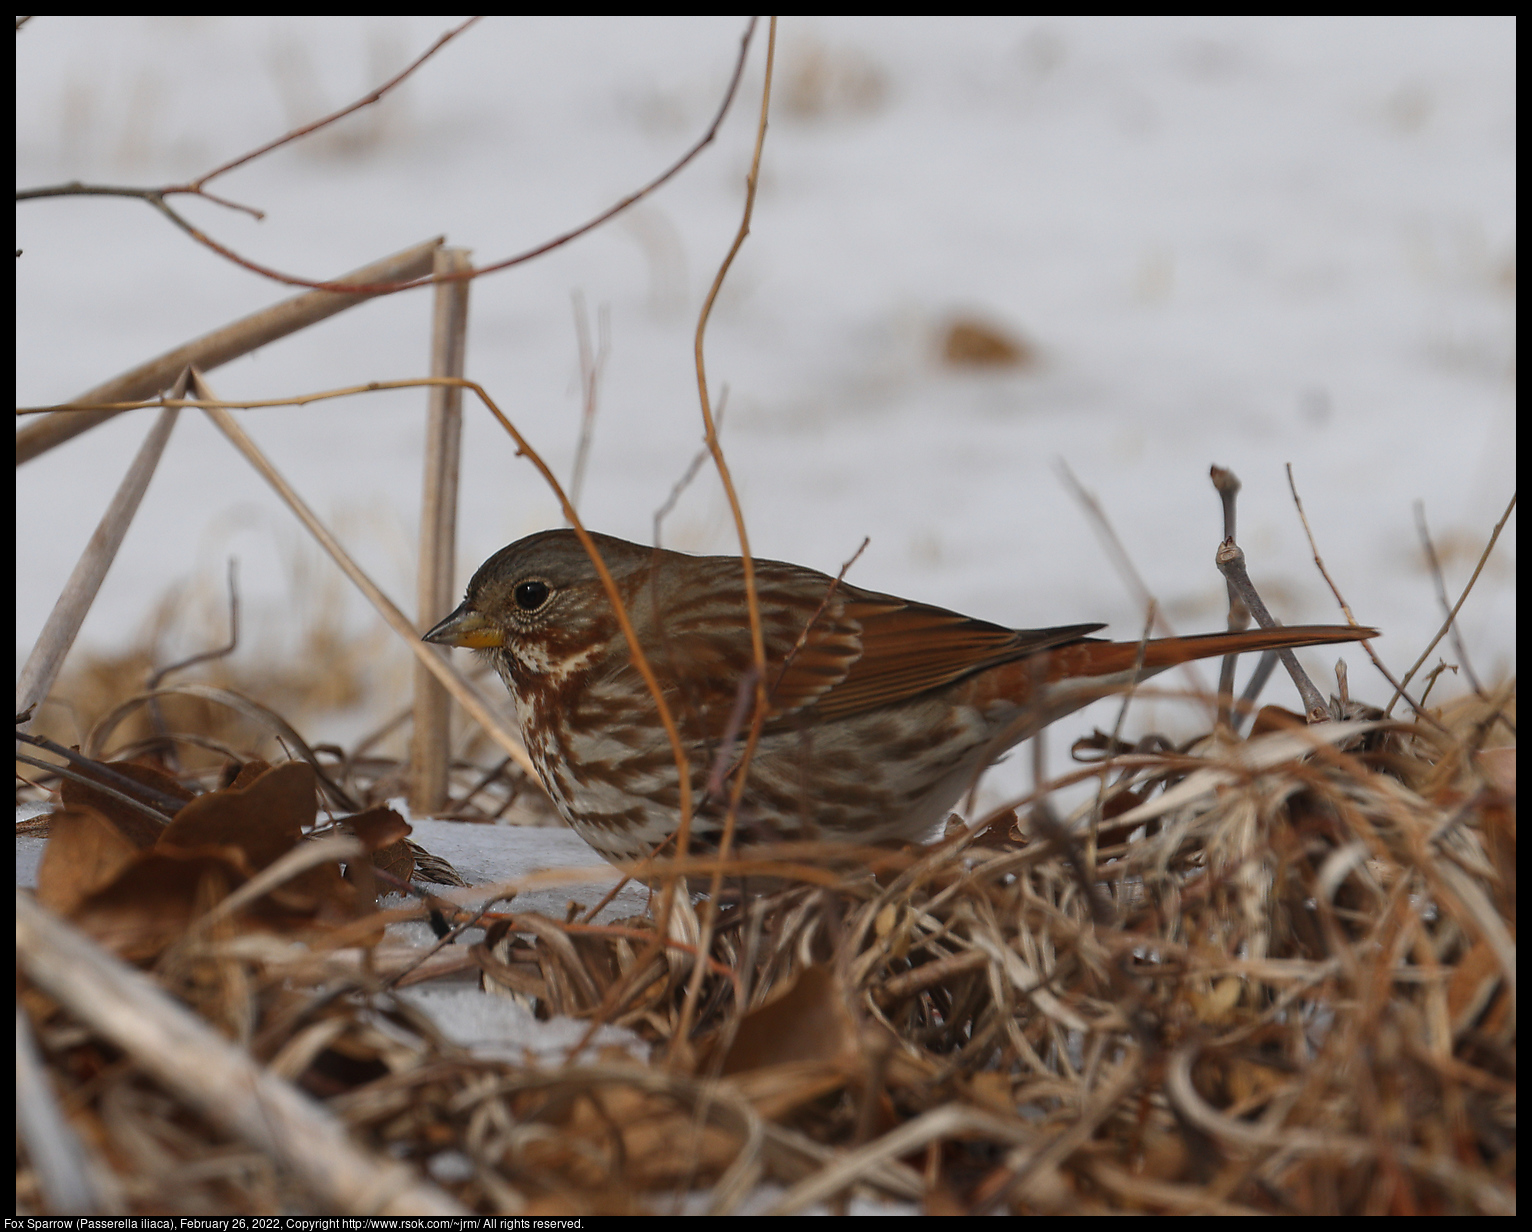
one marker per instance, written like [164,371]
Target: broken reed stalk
[212,1075]
[69,1177]
[74,602]
[436,580]
[218,348]
[460,689]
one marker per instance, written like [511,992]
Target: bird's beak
[465,627]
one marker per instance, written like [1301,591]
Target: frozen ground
[1249,241]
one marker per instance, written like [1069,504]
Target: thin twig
[1457,607]
[592,362]
[692,468]
[93,782]
[819,611]
[1122,715]
[303,130]
[744,695]
[1346,607]
[156,198]
[1118,555]
[218,652]
[450,937]
[1231,563]
[1226,484]
[752,601]
[195,187]
[103,773]
[95,741]
[1245,708]
[1441,596]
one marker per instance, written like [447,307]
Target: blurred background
[982,247]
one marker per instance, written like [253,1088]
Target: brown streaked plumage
[877,723]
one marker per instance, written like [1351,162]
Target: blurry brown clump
[968,342]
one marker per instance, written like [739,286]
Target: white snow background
[1242,240]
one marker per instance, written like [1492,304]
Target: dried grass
[1276,976]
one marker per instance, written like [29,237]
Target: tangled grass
[1273,975]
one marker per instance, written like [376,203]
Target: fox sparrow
[881,711]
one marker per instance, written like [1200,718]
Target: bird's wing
[832,649]
[909,648]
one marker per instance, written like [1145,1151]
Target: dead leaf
[134,824]
[155,896]
[85,851]
[809,1022]
[265,820]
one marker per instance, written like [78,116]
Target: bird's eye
[531,595]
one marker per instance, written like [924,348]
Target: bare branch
[1441,596]
[1458,606]
[156,198]
[1231,563]
[1344,606]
